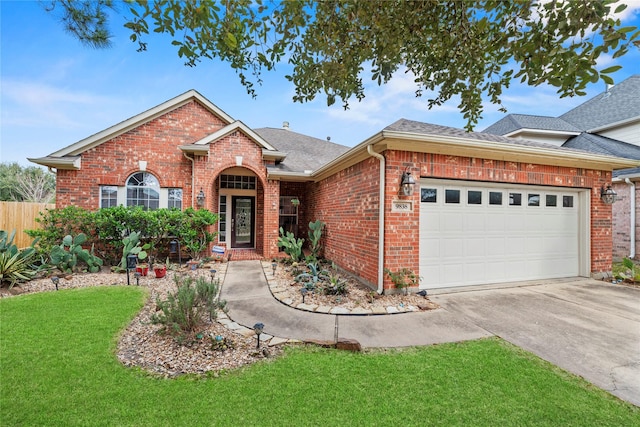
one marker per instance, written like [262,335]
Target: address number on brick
[401,206]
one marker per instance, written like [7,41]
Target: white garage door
[480,233]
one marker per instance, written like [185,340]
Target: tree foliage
[26,184]
[472,49]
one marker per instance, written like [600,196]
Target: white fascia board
[545,132]
[615,125]
[139,119]
[288,176]
[199,150]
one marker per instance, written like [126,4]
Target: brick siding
[348,203]
[622,221]
[157,141]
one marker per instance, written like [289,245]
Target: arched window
[143,189]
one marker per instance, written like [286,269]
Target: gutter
[381,219]
[632,217]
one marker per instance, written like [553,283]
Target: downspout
[193,177]
[632,217]
[381,221]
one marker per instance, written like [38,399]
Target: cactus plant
[67,255]
[131,244]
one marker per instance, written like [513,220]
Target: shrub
[193,230]
[403,278]
[184,311]
[58,223]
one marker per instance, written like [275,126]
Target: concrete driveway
[586,327]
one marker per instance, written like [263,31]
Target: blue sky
[55,91]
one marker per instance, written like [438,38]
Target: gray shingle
[513,122]
[621,102]
[629,173]
[303,152]
[594,143]
[404,125]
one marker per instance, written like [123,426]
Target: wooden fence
[21,216]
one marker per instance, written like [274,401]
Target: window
[428,195]
[552,200]
[567,201]
[222,220]
[474,197]
[495,197]
[143,189]
[515,199]
[238,182]
[289,213]
[108,196]
[533,200]
[175,198]
[452,196]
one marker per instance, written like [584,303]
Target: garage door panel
[465,243]
[452,221]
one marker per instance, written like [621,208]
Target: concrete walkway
[587,327]
[247,293]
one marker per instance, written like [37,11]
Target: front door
[242,221]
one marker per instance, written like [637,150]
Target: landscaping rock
[349,345]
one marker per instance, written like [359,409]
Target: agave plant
[15,265]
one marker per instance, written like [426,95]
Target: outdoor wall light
[174,247]
[258,328]
[607,194]
[200,198]
[407,184]
[55,280]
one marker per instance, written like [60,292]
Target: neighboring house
[485,208]
[606,124]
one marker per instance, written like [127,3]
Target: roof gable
[56,159]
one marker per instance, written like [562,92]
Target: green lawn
[58,368]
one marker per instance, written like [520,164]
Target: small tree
[194,232]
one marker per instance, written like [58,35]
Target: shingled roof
[603,145]
[615,105]
[304,153]
[514,122]
[404,125]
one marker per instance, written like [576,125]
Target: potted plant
[160,270]
[142,268]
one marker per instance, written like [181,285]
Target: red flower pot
[142,270]
[160,272]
